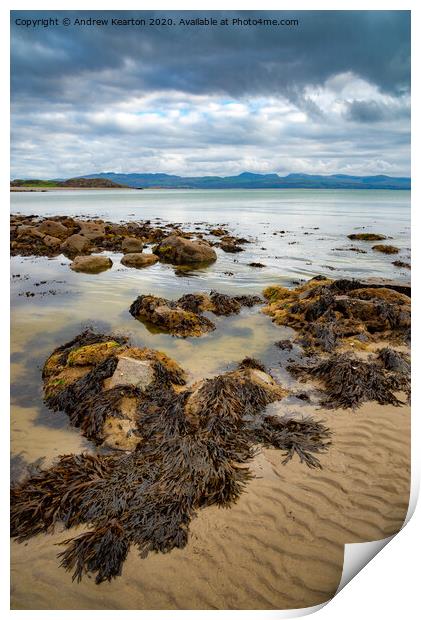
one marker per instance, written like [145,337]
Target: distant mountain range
[245,180]
[249,180]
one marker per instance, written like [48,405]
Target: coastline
[281,544]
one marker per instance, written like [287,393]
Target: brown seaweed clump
[98,380]
[193,449]
[349,381]
[183,317]
[332,313]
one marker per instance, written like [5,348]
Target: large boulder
[91,264]
[92,230]
[139,260]
[180,251]
[130,245]
[76,244]
[54,229]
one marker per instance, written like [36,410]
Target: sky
[331,95]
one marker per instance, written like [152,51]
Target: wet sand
[279,547]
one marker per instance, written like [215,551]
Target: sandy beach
[279,547]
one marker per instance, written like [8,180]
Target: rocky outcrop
[180,251]
[183,317]
[343,313]
[174,450]
[91,264]
[97,380]
[170,317]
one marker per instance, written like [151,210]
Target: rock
[29,231]
[231,248]
[92,353]
[385,249]
[75,244]
[139,260]
[54,229]
[91,264]
[131,245]
[401,264]
[170,317]
[92,230]
[136,373]
[115,229]
[52,242]
[396,285]
[120,434]
[366,237]
[218,232]
[180,251]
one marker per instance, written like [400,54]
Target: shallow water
[65,302]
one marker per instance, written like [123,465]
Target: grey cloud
[224,59]
[70,86]
[373,112]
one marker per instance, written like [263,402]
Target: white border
[388,586]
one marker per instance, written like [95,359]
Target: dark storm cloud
[64,63]
[373,112]
[329,95]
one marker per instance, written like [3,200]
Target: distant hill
[78,183]
[249,180]
[245,180]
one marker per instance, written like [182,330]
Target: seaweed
[333,313]
[301,436]
[75,399]
[193,450]
[349,381]
[183,317]
[102,551]
[224,305]
[250,362]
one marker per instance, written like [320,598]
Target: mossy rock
[92,353]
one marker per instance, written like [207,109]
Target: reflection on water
[65,302]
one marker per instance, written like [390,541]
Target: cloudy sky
[331,95]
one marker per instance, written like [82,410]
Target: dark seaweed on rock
[349,381]
[194,450]
[79,399]
[224,305]
[251,362]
